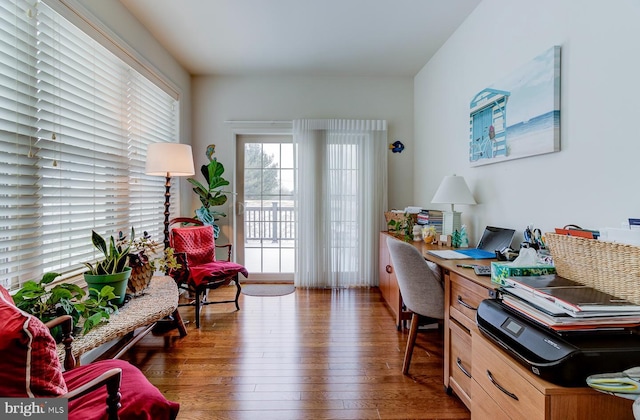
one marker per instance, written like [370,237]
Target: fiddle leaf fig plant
[211,193]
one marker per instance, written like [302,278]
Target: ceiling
[302,37]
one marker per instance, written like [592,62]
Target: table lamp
[452,190]
[169,159]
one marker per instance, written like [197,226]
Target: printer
[565,360]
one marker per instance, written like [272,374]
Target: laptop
[493,238]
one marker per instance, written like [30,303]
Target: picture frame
[518,116]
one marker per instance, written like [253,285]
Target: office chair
[422,293]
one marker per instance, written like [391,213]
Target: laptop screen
[495,238]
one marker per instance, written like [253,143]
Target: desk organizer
[611,267]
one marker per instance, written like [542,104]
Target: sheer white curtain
[341,198]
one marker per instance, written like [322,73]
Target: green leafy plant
[145,250]
[211,193]
[116,256]
[403,226]
[97,308]
[49,302]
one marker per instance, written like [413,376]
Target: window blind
[75,121]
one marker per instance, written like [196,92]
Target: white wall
[217,99]
[593,180]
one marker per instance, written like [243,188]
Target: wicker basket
[140,279]
[611,267]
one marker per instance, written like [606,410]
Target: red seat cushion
[30,365]
[218,269]
[140,399]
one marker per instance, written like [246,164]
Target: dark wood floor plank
[314,354]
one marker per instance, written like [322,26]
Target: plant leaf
[49,277]
[99,242]
[107,292]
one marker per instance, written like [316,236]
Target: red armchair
[195,248]
[108,389]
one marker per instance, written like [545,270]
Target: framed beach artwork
[518,116]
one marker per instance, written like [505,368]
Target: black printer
[564,360]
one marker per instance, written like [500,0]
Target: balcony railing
[273,223]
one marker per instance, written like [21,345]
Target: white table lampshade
[452,190]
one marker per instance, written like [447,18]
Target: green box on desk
[502,270]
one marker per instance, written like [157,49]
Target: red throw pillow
[30,365]
[140,399]
[197,241]
[4,292]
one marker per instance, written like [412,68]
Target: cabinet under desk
[468,355]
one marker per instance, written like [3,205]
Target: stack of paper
[561,303]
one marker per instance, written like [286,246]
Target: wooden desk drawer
[460,362]
[483,407]
[505,385]
[464,299]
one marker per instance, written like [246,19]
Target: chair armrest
[228,246]
[111,379]
[66,323]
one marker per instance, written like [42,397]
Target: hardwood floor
[313,354]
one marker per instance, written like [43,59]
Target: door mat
[267,289]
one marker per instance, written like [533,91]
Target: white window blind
[75,122]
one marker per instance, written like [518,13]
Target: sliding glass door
[265,224]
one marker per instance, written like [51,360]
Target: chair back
[197,242]
[421,291]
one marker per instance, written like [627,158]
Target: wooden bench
[133,321]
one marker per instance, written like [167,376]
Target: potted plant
[113,270]
[403,226]
[211,193]
[145,258]
[47,303]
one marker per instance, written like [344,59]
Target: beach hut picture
[518,116]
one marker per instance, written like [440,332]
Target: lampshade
[169,159]
[453,190]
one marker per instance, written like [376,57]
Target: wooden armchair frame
[111,378]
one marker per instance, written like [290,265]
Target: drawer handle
[500,387]
[388,269]
[465,371]
[465,304]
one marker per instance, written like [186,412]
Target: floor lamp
[169,159]
[452,190]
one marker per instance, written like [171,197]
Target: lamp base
[167,204]
[451,221]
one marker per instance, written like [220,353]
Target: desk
[468,355]
[159,300]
